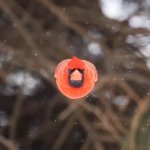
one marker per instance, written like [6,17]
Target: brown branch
[7,143]
[86,144]
[64,134]
[104,120]
[121,83]
[68,111]
[92,135]
[15,116]
[63,17]
[142,108]
[20,28]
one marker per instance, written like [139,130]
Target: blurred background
[35,35]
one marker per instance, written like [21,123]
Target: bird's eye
[71,71]
[81,70]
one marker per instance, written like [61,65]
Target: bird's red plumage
[76,63]
[62,76]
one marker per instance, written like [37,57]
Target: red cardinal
[75,78]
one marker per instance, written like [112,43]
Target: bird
[75,77]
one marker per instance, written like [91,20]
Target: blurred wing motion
[75,78]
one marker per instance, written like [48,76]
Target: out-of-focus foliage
[35,35]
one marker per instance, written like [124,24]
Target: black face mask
[75,83]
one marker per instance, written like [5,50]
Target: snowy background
[35,35]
